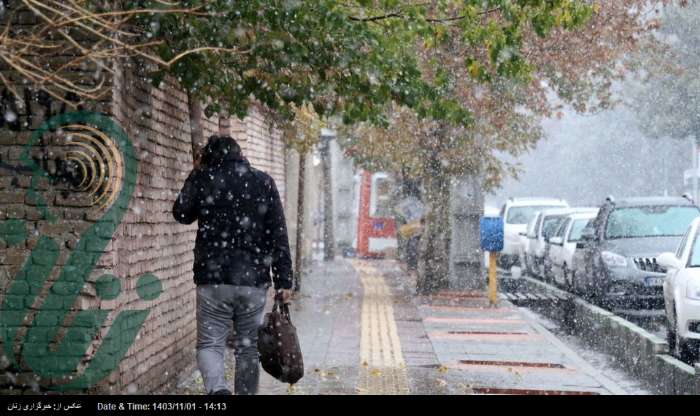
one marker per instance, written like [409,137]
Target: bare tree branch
[49,54]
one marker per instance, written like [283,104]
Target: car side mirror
[556,240]
[669,261]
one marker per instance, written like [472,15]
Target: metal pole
[492,278]
[298,255]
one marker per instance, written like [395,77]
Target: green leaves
[350,58]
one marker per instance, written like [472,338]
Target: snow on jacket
[242,234]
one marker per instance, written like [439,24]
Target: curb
[635,350]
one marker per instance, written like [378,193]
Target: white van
[516,214]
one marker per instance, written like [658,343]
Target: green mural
[39,351]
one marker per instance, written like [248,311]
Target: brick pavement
[363,331]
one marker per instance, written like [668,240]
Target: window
[562,228]
[649,221]
[538,226]
[532,226]
[577,229]
[380,201]
[523,215]
[550,224]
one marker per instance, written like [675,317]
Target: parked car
[562,245]
[525,241]
[516,213]
[682,295]
[546,223]
[619,249]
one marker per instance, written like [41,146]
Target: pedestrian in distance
[241,250]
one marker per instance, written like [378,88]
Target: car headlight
[692,290]
[614,260]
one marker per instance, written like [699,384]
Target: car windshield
[650,221]
[550,225]
[523,215]
[577,228]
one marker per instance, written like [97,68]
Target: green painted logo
[43,313]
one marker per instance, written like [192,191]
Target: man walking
[241,240]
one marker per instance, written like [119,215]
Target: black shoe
[223,392]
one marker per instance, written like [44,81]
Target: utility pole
[328,237]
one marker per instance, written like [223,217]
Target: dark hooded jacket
[242,234]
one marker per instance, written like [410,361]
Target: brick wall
[148,240]
[262,144]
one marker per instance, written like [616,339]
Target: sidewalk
[363,331]
[327,317]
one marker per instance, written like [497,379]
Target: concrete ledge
[675,376]
[641,354]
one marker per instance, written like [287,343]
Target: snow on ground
[601,362]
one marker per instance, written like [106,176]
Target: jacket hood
[222,149]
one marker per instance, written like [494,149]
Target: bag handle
[283,307]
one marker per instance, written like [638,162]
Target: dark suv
[618,250]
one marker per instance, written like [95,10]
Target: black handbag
[278,344]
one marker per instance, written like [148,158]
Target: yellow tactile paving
[382,366]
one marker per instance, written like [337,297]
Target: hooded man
[241,243]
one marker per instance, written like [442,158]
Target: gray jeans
[217,305]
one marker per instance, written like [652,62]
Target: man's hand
[285,295]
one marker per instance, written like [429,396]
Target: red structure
[376,229]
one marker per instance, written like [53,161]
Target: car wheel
[598,290]
[593,292]
[597,298]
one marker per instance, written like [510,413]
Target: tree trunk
[328,235]
[299,246]
[433,261]
[197,136]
